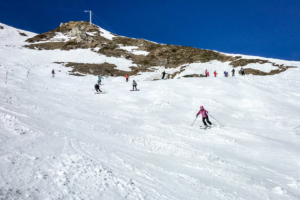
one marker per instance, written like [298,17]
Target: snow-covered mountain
[123,55]
[60,140]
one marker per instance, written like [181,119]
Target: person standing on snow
[53,73]
[204,114]
[233,71]
[97,88]
[99,79]
[134,84]
[127,77]
[164,73]
[243,71]
[215,73]
[206,73]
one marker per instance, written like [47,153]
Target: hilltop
[143,55]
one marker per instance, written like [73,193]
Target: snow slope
[59,140]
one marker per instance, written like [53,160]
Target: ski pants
[134,86]
[206,118]
[126,79]
[98,90]
[99,82]
[163,77]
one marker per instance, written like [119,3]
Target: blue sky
[268,28]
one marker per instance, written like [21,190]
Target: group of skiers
[226,74]
[97,85]
[202,111]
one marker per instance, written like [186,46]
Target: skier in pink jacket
[204,113]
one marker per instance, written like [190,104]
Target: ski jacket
[99,78]
[96,86]
[126,76]
[134,83]
[203,113]
[53,72]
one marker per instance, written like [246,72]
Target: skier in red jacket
[215,73]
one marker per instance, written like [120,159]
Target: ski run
[58,140]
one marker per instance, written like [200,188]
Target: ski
[134,90]
[205,127]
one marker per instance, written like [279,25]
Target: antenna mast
[90,15]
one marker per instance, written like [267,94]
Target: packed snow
[106,34]
[133,50]
[60,140]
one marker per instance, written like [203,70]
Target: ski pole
[6,77]
[215,119]
[194,121]
[296,127]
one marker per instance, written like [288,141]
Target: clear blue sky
[268,28]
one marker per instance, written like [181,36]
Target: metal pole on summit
[90,15]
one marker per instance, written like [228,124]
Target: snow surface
[60,140]
[106,34]
[133,50]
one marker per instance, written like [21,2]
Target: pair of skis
[205,127]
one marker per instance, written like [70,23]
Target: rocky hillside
[144,55]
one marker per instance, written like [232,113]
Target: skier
[164,73]
[215,73]
[233,71]
[99,79]
[134,85]
[206,73]
[127,77]
[97,88]
[204,114]
[53,73]
[243,71]
[225,73]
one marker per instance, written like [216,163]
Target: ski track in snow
[60,141]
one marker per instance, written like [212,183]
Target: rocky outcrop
[1,27]
[83,35]
[22,34]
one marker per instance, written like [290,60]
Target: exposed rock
[23,34]
[1,27]
[82,35]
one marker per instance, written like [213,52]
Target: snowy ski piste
[58,140]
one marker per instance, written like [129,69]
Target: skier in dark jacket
[53,73]
[243,71]
[164,73]
[134,84]
[97,88]
[232,72]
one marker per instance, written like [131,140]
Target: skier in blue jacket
[99,79]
